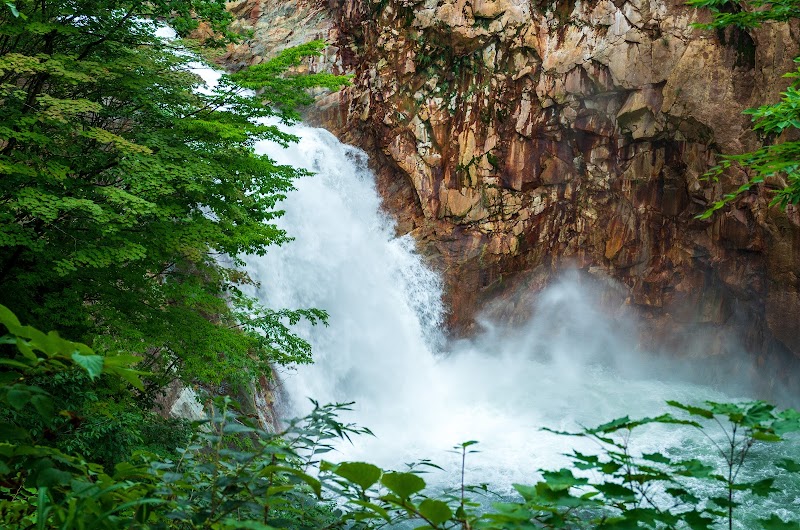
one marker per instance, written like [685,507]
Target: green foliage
[40,482]
[213,485]
[127,193]
[782,158]
[746,14]
[779,156]
[209,484]
[657,490]
[290,92]
[234,474]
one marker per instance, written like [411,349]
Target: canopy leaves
[129,188]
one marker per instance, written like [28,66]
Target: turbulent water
[570,365]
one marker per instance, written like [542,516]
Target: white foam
[385,312]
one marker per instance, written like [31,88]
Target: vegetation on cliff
[777,123]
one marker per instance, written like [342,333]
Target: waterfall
[382,348]
[569,365]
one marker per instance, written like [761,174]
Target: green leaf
[612,426]
[9,319]
[312,482]
[697,521]
[527,492]
[724,502]
[27,351]
[13,8]
[51,476]
[131,376]
[762,488]
[616,491]
[93,364]
[694,411]
[435,511]
[363,474]
[236,428]
[127,470]
[657,457]
[763,436]
[379,511]
[792,466]
[562,479]
[788,421]
[682,493]
[693,468]
[6,378]
[404,485]
[15,364]
[18,397]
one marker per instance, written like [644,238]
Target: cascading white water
[385,313]
[570,365]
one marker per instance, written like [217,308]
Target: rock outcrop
[516,138]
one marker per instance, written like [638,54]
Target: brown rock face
[516,138]
[274,25]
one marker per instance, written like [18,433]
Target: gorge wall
[516,138]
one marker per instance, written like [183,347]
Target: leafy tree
[778,122]
[127,193]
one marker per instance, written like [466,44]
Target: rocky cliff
[516,138]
